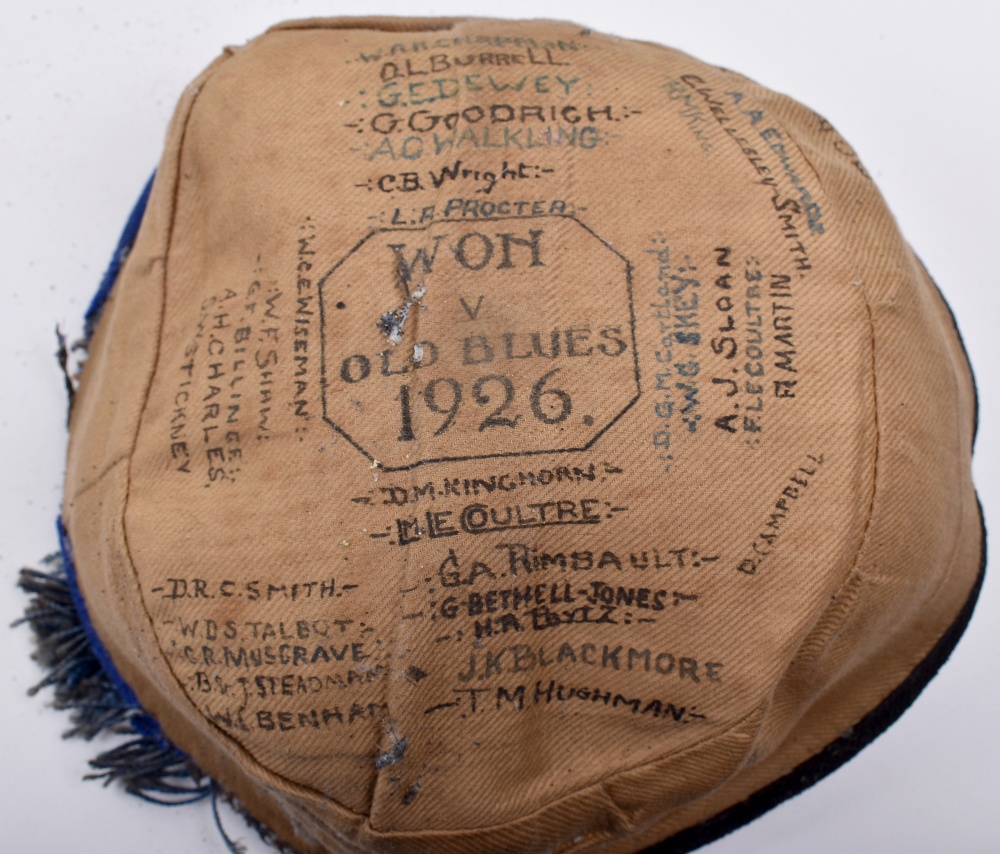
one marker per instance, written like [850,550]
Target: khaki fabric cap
[504,436]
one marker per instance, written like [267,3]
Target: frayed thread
[70,358]
[62,357]
[267,836]
[146,764]
[78,668]
[125,242]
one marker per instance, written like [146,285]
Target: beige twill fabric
[504,436]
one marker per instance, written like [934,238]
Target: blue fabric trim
[125,243]
[143,723]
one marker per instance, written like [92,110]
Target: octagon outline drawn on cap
[600,426]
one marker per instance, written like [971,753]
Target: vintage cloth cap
[503,436]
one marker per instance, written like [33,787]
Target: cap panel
[899,606]
[925,502]
[103,425]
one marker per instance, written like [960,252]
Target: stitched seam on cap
[110,467]
[833,212]
[253,765]
[370,23]
[865,536]
[596,784]
[176,682]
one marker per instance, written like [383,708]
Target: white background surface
[85,94]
